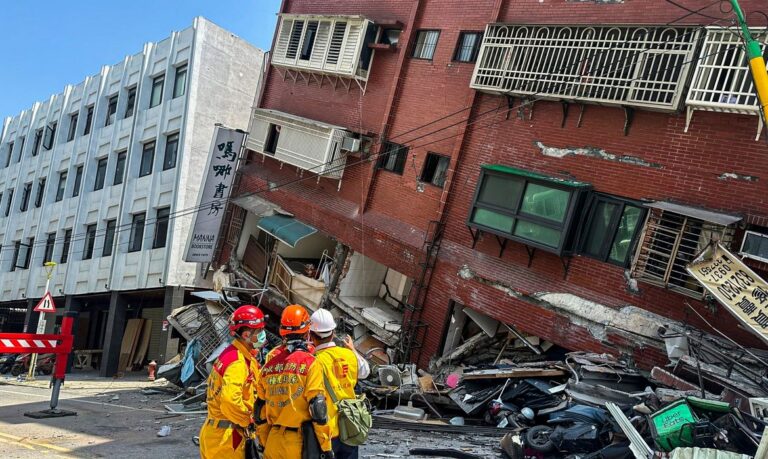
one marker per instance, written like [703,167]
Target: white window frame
[328,56]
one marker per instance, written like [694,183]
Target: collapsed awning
[255,204]
[694,212]
[286,229]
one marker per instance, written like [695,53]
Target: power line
[477,118]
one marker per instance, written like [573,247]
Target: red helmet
[246,316]
[294,321]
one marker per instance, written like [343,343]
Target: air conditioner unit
[389,375]
[755,246]
[350,144]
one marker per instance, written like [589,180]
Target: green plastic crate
[672,426]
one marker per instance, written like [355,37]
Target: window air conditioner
[755,246]
[351,144]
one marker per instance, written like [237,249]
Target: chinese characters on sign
[217,184]
[736,286]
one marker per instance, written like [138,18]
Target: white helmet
[322,323]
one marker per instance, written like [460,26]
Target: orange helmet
[294,321]
[246,316]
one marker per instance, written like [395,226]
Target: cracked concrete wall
[735,176]
[593,152]
[630,321]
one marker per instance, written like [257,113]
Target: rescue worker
[291,393]
[343,366]
[232,386]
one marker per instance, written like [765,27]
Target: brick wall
[668,164]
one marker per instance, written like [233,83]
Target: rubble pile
[710,401]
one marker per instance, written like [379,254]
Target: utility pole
[756,62]
[49,265]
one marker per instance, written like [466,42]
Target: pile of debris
[711,401]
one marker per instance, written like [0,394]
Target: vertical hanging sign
[217,185]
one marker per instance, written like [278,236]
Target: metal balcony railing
[616,65]
[722,81]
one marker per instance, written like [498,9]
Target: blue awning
[286,229]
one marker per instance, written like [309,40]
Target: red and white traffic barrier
[61,345]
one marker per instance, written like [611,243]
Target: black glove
[327,455]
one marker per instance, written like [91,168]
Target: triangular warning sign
[46,304]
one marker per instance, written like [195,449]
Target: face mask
[261,340]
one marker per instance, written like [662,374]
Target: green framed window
[611,229]
[527,207]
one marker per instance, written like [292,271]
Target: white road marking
[86,401]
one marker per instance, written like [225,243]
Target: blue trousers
[342,451]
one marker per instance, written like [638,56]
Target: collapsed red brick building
[549,165]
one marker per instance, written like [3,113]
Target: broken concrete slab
[665,378]
[513,373]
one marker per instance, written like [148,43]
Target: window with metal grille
[722,81]
[618,65]
[670,241]
[468,46]
[524,206]
[426,42]
[392,157]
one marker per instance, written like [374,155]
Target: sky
[51,43]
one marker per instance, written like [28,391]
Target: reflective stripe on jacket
[288,381]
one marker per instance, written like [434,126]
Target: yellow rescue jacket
[340,367]
[230,395]
[288,381]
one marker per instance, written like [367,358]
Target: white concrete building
[93,179]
